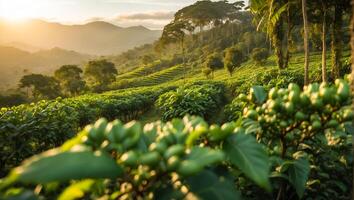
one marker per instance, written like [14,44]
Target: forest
[234,100]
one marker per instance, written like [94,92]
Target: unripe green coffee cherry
[115,132]
[129,159]
[133,128]
[175,150]
[332,123]
[283,124]
[243,97]
[160,147]
[173,163]
[316,125]
[348,115]
[189,168]
[252,114]
[151,159]
[299,116]
[273,93]
[343,91]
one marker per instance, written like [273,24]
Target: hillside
[236,100]
[15,63]
[96,38]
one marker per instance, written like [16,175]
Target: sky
[153,14]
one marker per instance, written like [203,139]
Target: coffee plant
[309,137]
[287,143]
[30,129]
[174,160]
[202,100]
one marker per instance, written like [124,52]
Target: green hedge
[202,100]
[30,129]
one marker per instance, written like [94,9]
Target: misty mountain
[96,38]
[15,63]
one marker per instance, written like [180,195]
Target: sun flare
[14,10]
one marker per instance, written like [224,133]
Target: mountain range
[95,38]
[14,63]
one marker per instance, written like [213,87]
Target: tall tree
[100,73]
[234,57]
[340,7]
[270,15]
[42,86]
[325,9]
[306,43]
[213,62]
[175,32]
[70,79]
[206,13]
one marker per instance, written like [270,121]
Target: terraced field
[139,79]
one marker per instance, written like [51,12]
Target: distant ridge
[95,38]
[15,63]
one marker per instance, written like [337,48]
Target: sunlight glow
[17,10]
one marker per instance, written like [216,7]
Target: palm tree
[269,15]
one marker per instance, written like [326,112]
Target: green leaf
[208,186]
[205,156]
[76,190]
[249,156]
[54,166]
[298,172]
[167,192]
[259,93]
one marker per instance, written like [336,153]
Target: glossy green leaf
[54,166]
[259,93]
[298,172]
[208,186]
[205,156]
[244,152]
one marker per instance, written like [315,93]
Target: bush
[302,129]
[159,161]
[306,134]
[259,55]
[234,57]
[30,129]
[201,100]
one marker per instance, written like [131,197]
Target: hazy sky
[150,13]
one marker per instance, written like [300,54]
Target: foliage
[233,59]
[15,99]
[70,79]
[213,62]
[259,55]
[30,129]
[159,161]
[202,100]
[300,129]
[203,13]
[100,73]
[42,86]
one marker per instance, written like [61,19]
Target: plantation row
[286,143]
[157,78]
[30,129]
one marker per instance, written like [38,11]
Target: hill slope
[15,63]
[98,38]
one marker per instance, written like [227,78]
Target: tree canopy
[100,72]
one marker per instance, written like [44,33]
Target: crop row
[287,142]
[29,129]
